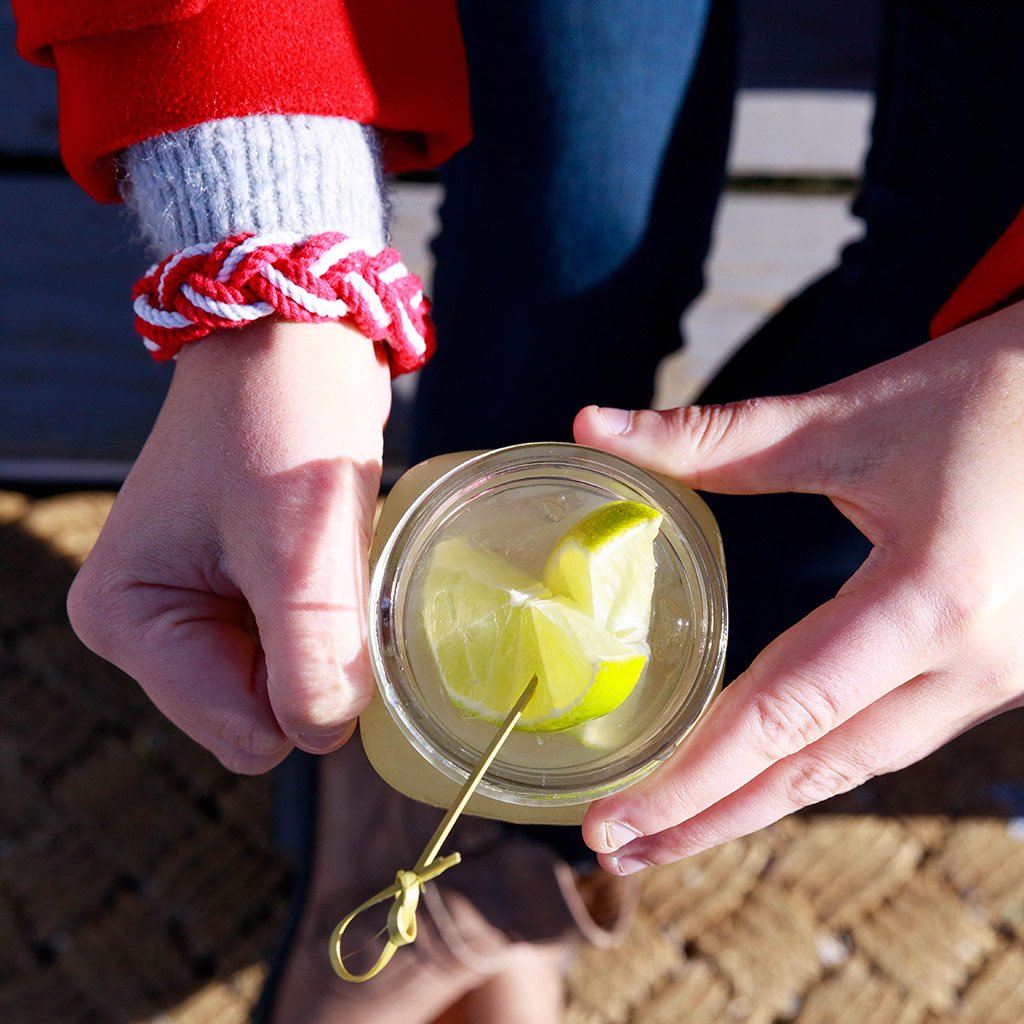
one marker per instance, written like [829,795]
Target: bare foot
[530,990]
[361,839]
[465,955]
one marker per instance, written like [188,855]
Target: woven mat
[138,881]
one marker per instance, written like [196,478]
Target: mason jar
[516,502]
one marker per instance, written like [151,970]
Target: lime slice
[492,628]
[582,670]
[470,596]
[605,563]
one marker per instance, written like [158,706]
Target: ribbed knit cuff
[265,172]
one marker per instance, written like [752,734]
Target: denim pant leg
[944,178]
[576,222]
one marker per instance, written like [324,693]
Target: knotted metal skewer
[408,885]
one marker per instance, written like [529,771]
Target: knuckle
[816,779]
[321,685]
[673,801]
[685,841]
[654,423]
[78,610]
[998,683]
[301,576]
[703,426]
[955,614]
[947,615]
[786,721]
[92,612]
[328,570]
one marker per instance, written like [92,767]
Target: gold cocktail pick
[408,885]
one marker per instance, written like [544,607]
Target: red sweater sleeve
[995,282]
[128,70]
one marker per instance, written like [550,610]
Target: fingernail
[630,865]
[616,421]
[618,833]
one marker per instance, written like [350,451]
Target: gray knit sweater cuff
[265,172]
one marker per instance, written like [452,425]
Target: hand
[925,455]
[249,509]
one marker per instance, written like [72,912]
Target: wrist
[329,372]
[246,278]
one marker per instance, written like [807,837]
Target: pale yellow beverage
[517,503]
[522,525]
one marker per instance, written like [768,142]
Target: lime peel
[605,563]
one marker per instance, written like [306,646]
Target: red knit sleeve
[131,69]
[995,282]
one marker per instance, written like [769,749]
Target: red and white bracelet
[310,278]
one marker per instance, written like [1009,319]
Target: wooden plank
[765,248]
[800,134]
[77,394]
[785,45]
[74,381]
[807,44]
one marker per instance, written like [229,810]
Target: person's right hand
[249,509]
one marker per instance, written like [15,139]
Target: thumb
[305,578]
[757,446]
[318,672]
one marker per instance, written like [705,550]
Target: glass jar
[516,502]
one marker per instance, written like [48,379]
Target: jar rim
[457,761]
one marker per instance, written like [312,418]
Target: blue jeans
[576,224]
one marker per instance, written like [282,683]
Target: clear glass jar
[517,501]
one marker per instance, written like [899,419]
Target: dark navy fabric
[576,222]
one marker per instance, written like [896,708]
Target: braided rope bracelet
[310,278]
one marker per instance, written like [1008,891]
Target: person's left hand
[925,455]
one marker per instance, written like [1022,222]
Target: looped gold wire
[401,917]
[408,885]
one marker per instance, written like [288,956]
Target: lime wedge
[582,670]
[470,596]
[492,628]
[605,563]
